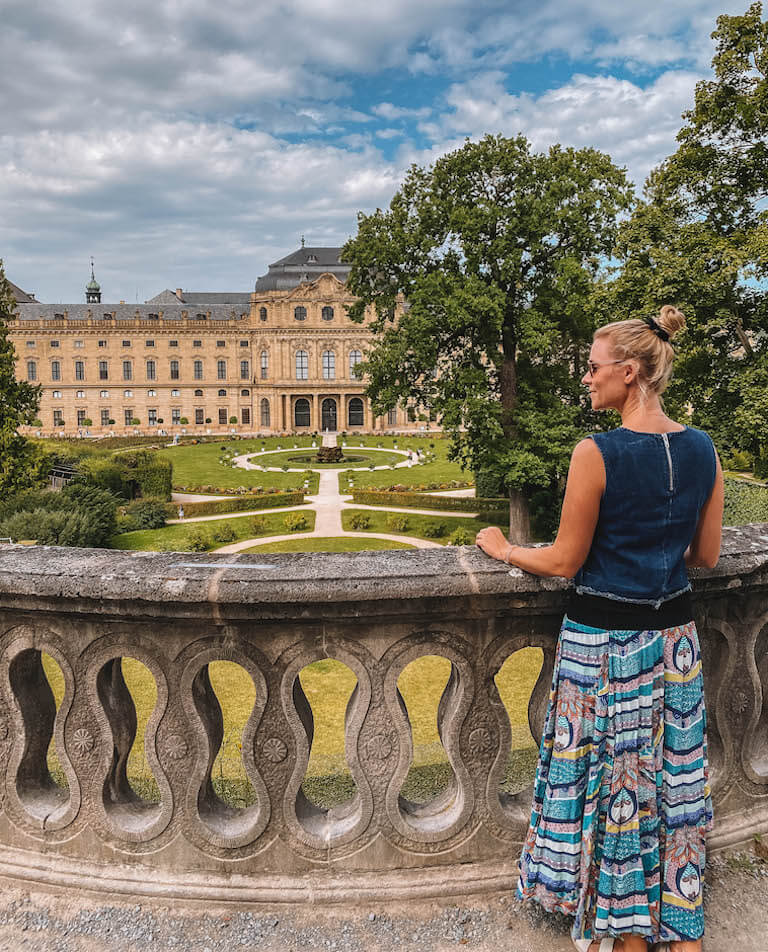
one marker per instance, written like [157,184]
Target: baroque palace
[280,359]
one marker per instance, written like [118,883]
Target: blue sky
[188,144]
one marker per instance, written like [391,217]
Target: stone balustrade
[273,615]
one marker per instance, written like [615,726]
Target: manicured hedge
[367,497]
[214,507]
[147,473]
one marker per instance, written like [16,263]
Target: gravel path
[736,904]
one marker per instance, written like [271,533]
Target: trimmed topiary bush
[359,522]
[296,522]
[198,541]
[397,522]
[224,533]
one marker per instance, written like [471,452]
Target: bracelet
[507,554]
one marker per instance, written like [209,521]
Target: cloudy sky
[186,143]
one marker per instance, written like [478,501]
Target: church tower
[93,289]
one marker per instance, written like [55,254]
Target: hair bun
[671,320]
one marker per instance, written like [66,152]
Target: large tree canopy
[480,274]
[700,240]
[18,404]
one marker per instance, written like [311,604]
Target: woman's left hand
[493,542]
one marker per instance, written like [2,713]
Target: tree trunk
[519,518]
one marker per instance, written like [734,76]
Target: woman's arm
[581,507]
[704,550]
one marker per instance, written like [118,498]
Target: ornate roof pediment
[325,287]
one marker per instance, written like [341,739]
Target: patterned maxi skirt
[621,803]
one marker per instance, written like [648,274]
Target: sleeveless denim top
[655,487]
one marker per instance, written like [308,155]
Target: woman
[621,800]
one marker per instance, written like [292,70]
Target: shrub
[433,530]
[744,503]
[296,522]
[135,421]
[183,421]
[258,525]
[397,522]
[144,514]
[87,422]
[741,461]
[488,483]
[105,474]
[224,533]
[233,419]
[198,541]
[360,521]
[146,474]
[78,515]
[461,537]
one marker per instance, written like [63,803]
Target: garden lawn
[328,685]
[415,525]
[363,457]
[335,544]
[177,538]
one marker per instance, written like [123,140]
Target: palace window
[128,416]
[302,365]
[151,370]
[222,393]
[391,417]
[265,412]
[243,343]
[78,343]
[411,412]
[103,394]
[222,415]
[58,418]
[198,370]
[175,393]
[245,415]
[263,317]
[174,370]
[105,418]
[149,343]
[81,417]
[245,370]
[355,415]
[198,393]
[152,416]
[354,359]
[264,365]
[80,394]
[221,369]
[55,370]
[300,313]
[199,416]
[151,393]
[245,393]
[31,343]
[103,370]
[221,343]
[126,343]
[173,343]
[57,394]
[329,365]
[54,343]
[102,343]
[31,370]
[175,415]
[327,313]
[197,343]
[79,370]
[301,412]
[128,393]
[127,370]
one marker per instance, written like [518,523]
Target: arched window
[354,359]
[300,313]
[301,412]
[174,370]
[221,369]
[222,393]
[263,317]
[198,370]
[302,365]
[264,365]
[355,416]
[327,313]
[198,393]
[245,369]
[265,412]
[55,370]
[245,393]
[31,370]
[329,365]
[151,370]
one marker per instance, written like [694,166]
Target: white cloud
[387,110]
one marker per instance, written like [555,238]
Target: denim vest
[655,487]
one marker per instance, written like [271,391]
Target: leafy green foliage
[461,537]
[224,533]
[199,541]
[144,514]
[78,515]
[296,522]
[494,251]
[360,521]
[435,530]
[19,458]
[146,473]
[397,522]
[744,503]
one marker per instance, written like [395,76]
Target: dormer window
[311,259]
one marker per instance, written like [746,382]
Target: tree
[19,401]
[478,274]
[700,240]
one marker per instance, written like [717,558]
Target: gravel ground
[736,904]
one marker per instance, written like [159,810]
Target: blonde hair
[636,340]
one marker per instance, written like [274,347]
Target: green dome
[93,285]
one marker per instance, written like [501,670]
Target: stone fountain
[330,451]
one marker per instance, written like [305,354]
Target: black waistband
[599,612]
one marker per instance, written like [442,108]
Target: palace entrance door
[328,412]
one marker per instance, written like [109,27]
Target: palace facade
[280,359]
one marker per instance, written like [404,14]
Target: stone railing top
[116,581]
